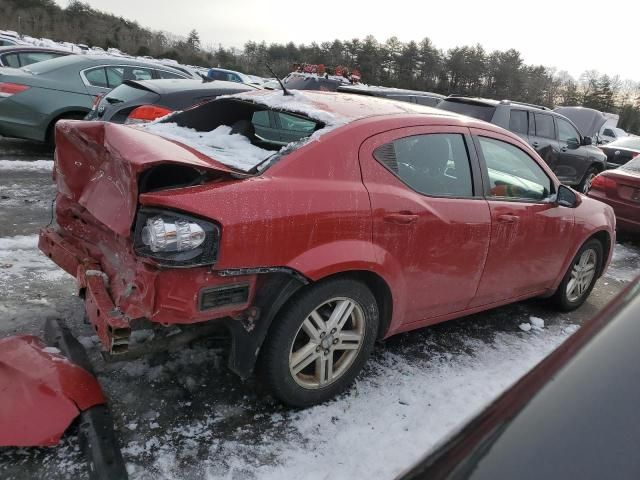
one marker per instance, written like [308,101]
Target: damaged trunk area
[243,135]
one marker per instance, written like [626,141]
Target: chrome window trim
[132,65]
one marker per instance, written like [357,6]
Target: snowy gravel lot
[184,416]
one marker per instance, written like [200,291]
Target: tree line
[464,70]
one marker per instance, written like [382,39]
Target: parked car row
[35,97]
[571,156]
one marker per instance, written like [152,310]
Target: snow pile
[26,165]
[625,263]
[233,150]
[536,323]
[21,263]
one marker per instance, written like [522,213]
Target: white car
[611,134]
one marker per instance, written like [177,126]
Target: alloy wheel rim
[587,183]
[327,343]
[582,273]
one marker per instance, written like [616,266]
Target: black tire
[561,298]
[274,369]
[585,184]
[51,138]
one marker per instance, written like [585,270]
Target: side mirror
[567,197]
[573,143]
[587,141]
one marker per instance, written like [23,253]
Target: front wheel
[585,184]
[580,278]
[320,342]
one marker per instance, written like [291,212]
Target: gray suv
[572,157]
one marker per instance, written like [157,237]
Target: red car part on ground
[329,208]
[41,392]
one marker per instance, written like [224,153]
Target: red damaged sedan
[309,225]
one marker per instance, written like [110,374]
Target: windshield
[475,110]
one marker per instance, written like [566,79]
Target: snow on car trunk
[233,150]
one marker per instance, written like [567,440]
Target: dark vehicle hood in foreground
[574,416]
[588,121]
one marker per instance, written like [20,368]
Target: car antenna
[286,92]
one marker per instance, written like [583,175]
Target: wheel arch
[69,113]
[605,240]
[380,289]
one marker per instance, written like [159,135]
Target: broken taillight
[147,113]
[8,89]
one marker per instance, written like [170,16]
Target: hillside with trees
[467,70]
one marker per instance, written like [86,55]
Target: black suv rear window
[475,110]
[518,121]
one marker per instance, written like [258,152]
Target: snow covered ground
[183,415]
[403,405]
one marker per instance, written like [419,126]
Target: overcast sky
[569,35]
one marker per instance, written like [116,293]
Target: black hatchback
[138,101]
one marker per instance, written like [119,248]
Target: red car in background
[310,225]
[620,188]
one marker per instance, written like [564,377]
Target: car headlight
[175,239]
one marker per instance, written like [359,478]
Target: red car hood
[97,165]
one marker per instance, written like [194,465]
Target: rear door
[573,158]
[519,123]
[543,138]
[530,237]
[430,224]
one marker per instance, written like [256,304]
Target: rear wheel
[580,278]
[585,184]
[51,138]
[320,343]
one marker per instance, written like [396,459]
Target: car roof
[32,48]
[376,90]
[165,86]
[472,100]
[225,70]
[85,61]
[346,107]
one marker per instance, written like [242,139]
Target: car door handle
[401,218]
[535,144]
[507,218]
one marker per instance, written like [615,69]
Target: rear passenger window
[115,75]
[544,126]
[97,77]
[165,74]
[518,122]
[11,60]
[139,74]
[35,57]
[435,164]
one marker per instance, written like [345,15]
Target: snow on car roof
[330,108]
